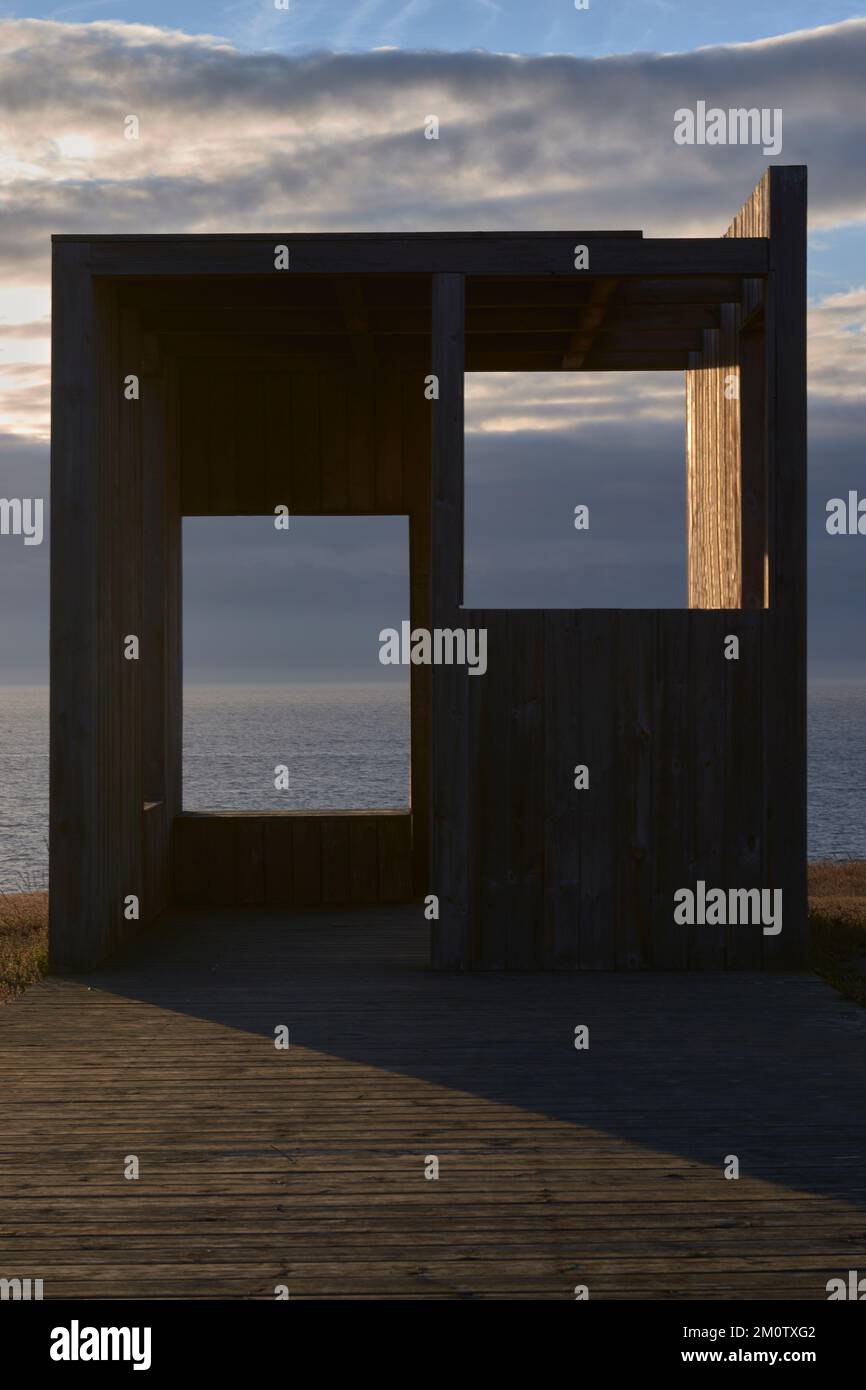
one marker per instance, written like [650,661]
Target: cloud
[238,141]
[230,133]
[837,346]
[552,402]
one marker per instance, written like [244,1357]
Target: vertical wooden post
[447,444]
[154,509]
[451,934]
[713,468]
[753,449]
[96,816]
[161,713]
[777,210]
[173,597]
[78,907]
[785,649]
[122,615]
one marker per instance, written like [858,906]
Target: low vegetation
[837,916]
[23,940]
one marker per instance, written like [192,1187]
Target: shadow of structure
[558,1166]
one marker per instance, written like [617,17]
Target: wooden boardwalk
[305,1167]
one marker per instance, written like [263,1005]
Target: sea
[347,746]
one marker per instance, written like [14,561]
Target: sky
[498,26]
[311,118]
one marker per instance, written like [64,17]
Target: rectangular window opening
[286,706]
[606,489]
[575,490]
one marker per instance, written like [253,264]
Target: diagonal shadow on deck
[697,1063]
[611,1158]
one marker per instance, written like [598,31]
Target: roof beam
[351,297]
[581,342]
[478,253]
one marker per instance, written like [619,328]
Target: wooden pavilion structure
[307,386]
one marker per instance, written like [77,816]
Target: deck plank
[306,1167]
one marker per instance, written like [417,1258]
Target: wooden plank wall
[451,848]
[322,443]
[713,469]
[156,860]
[777,210]
[697,763]
[96,831]
[79,909]
[161,709]
[778,206]
[292,859]
[115,724]
[564,879]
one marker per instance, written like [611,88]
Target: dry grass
[842,878]
[23,940]
[837,918]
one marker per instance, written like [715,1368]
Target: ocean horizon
[346,746]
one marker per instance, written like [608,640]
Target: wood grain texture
[306,1167]
[308,390]
[78,912]
[713,468]
[785,639]
[777,210]
[460,253]
[328,442]
[97,797]
[451,829]
[292,858]
[567,810]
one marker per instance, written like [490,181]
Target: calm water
[348,746]
[345,746]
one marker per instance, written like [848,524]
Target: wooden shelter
[307,386]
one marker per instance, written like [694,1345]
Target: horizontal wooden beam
[638,360]
[323,324]
[650,318]
[234,347]
[556,292]
[613,339]
[522,254]
[532,353]
[398,303]
[713,289]
[593,316]
[395,356]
